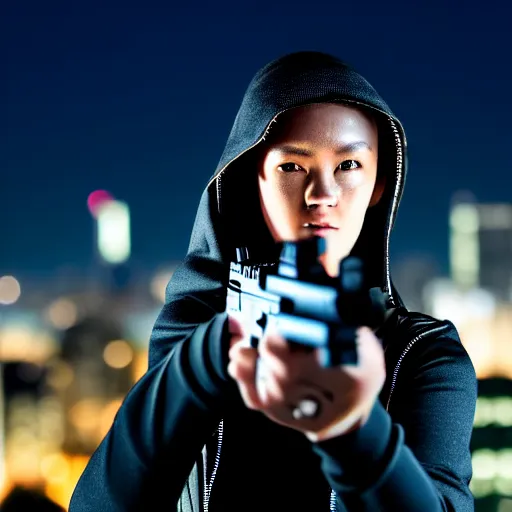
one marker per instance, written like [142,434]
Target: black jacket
[183,425]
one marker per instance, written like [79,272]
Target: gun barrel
[305,299]
[305,331]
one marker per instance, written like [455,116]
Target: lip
[322,231]
[319,228]
[318,225]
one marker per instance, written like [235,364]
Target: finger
[236,326]
[281,368]
[285,359]
[268,385]
[242,361]
[243,370]
[369,346]
[273,343]
[242,348]
[371,365]
[276,353]
[250,396]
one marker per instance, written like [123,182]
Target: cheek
[354,207]
[280,204]
[357,190]
[280,197]
[357,183]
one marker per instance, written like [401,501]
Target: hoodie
[183,437]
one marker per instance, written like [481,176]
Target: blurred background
[112,120]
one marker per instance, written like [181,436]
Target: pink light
[96,199]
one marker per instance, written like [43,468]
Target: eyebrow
[352,147]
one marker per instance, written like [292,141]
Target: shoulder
[424,349]
[408,330]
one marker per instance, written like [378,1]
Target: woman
[217,425]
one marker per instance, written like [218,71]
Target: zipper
[399,364]
[396,197]
[208,488]
[394,205]
[393,383]
[332,500]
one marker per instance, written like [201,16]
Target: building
[481,247]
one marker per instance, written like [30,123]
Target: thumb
[236,326]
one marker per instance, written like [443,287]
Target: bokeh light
[62,313]
[60,374]
[84,415]
[22,343]
[159,284]
[118,354]
[10,290]
[97,199]
[113,230]
[55,468]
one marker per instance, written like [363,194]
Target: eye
[290,167]
[348,165]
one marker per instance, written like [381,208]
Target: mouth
[322,225]
[320,229]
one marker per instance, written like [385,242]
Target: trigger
[262,322]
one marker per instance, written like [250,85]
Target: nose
[322,190]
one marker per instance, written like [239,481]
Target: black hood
[229,214]
[298,79]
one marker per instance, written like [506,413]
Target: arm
[417,457]
[173,409]
[160,428]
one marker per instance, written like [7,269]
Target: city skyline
[138,102]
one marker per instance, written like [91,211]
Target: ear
[378,190]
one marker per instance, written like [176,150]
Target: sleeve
[159,430]
[416,457]
[170,413]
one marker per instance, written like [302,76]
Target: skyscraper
[481,247]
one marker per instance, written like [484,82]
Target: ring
[306,408]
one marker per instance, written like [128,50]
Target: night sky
[140,100]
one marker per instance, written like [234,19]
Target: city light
[495,216]
[47,440]
[55,468]
[505,505]
[495,411]
[84,415]
[60,375]
[114,239]
[492,472]
[10,290]
[464,250]
[447,301]
[62,314]
[61,490]
[22,343]
[97,199]
[159,284]
[118,354]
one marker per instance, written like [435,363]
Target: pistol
[309,307]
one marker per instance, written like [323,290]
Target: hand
[279,375]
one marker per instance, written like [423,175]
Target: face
[318,175]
